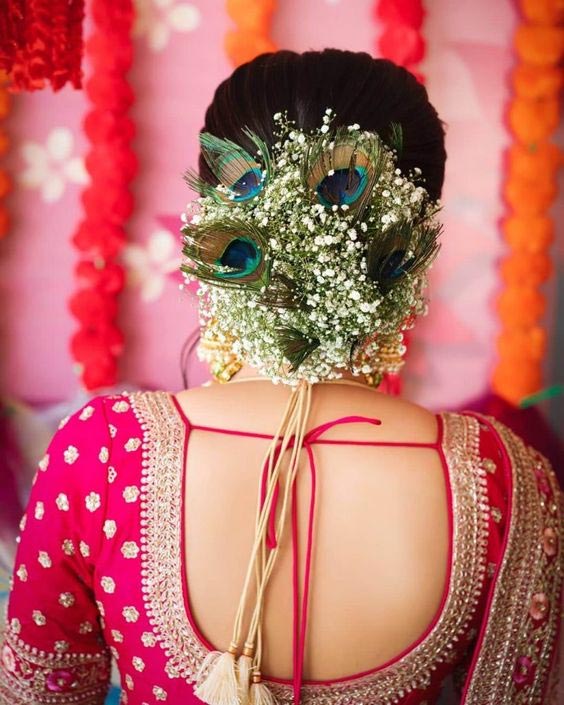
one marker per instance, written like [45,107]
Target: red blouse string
[300,621]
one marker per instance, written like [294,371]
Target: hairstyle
[359,88]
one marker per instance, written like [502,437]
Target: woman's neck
[247,371]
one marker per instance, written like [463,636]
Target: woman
[311,540]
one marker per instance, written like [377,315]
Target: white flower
[49,167]
[156,19]
[148,265]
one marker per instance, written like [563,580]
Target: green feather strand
[297,346]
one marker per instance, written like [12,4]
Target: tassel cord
[305,401]
[288,422]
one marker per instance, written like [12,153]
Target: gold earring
[217,350]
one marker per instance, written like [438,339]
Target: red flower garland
[401,42]
[107,201]
[5,181]
[41,42]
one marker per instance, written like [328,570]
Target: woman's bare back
[381,536]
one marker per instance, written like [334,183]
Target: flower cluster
[357,268]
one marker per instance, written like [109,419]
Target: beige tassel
[219,687]
[244,670]
[260,694]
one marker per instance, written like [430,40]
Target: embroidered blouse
[100,572]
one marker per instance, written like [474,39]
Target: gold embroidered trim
[161,502]
[515,656]
[28,675]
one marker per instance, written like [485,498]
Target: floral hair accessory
[312,254]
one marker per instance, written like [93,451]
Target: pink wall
[178,64]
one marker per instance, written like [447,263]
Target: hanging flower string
[400,41]
[107,201]
[41,43]
[5,181]
[251,36]
[530,187]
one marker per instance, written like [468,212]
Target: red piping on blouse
[310,438]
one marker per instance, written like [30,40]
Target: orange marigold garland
[529,190]
[5,181]
[400,41]
[107,201]
[41,42]
[251,36]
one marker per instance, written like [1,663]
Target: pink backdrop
[179,61]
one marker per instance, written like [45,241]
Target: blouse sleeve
[52,650]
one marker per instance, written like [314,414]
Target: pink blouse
[100,569]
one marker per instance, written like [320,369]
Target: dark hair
[360,89]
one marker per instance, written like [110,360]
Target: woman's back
[381,541]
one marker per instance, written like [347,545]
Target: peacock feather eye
[240,176]
[405,248]
[343,170]
[228,253]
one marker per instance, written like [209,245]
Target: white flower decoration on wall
[51,166]
[149,265]
[156,19]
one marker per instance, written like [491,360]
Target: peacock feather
[240,176]
[235,253]
[405,248]
[296,345]
[343,169]
[231,253]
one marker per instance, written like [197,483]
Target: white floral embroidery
[92,501]
[159,693]
[63,421]
[68,547]
[103,455]
[138,663]
[61,646]
[131,493]
[114,652]
[39,510]
[66,599]
[130,549]
[131,614]
[117,636]
[112,474]
[84,549]
[100,606]
[150,265]
[39,618]
[44,462]
[51,166]
[86,413]
[15,625]
[120,407]
[108,584]
[156,19]
[132,444]
[85,628]
[62,502]
[148,639]
[71,454]
[21,572]
[23,521]
[110,528]
[129,681]
[112,429]
[44,559]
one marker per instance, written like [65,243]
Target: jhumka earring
[217,350]
[380,357]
